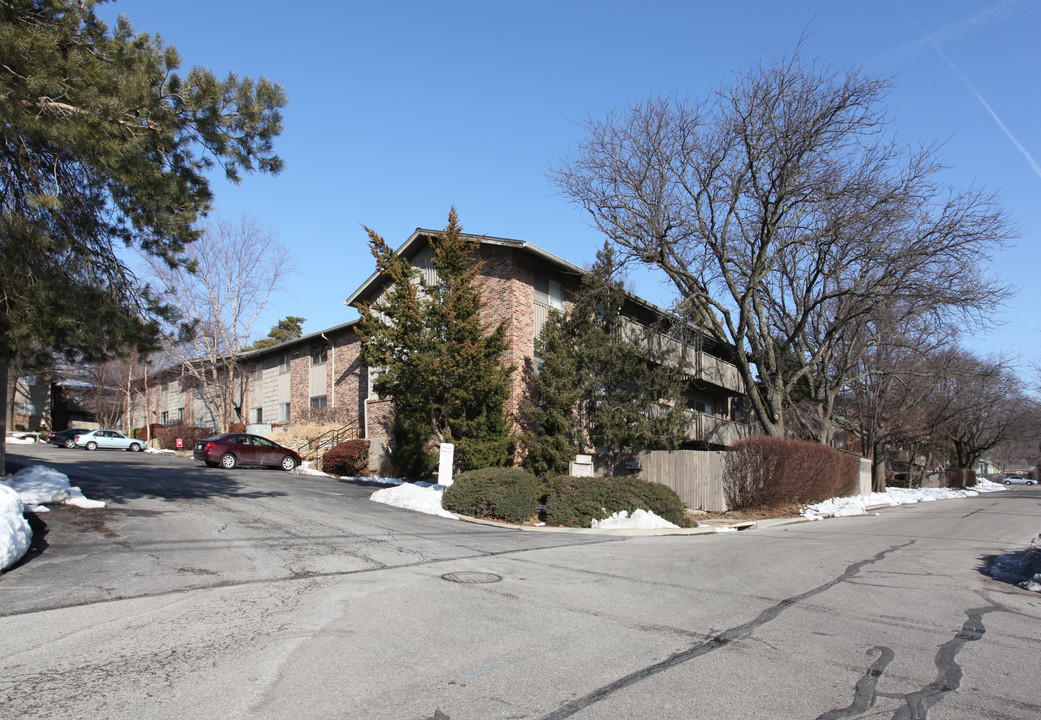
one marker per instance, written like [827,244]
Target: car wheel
[92,445]
[228,461]
[1008,482]
[210,463]
[288,463]
[70,443]
[1030,482]
[134,447]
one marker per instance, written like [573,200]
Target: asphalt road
[256,594]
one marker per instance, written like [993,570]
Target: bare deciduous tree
[234,270]
[782,212]
[979,404]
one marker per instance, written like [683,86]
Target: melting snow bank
[37,485]
[420,496]
[14,530]
[859,504]
[642,519]
[29,489]
[1021,568]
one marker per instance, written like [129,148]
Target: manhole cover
[471,578]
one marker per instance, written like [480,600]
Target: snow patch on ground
[642,519]
[15,534]
[859,504]
[38,485]
[420,496]
[28,490]
[1021,568]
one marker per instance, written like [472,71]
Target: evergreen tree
[604,380]
[105,146]
[552,420]
[288,328]
[436,359]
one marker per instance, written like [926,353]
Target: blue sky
[400,110]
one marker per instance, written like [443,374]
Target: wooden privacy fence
[695,475]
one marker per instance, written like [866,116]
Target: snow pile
[420,496]
[14,530]
[859,504]
[640,519]
[38,485]
[19,440]
[1021,568]
[307,468]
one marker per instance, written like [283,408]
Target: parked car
[108,439]
[66,438]
[232,449]
[1017,480]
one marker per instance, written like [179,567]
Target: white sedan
[108,439]
[1017,480]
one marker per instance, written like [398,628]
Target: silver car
[1017,480]
[108,439]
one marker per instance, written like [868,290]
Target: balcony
[717,431]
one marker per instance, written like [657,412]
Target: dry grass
[301,432]
[759,513]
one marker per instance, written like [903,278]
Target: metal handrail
[312,449]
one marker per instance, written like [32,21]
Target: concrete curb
[705,528]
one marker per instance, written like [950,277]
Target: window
[548,292]
[318,402]
[702,407]
[283,412]
[258,415]
[164,418]
[319,354]
[258,371]
[283,365]
[180,414]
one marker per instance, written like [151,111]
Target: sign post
[444,464]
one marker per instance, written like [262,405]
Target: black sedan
[66,438]
[232,449]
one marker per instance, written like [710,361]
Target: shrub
[149,431]
[763,471]
[348,459]
[509,494]
[165,436]
[237,427]
[576,502]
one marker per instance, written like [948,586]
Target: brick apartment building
[521,284]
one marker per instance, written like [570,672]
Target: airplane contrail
[950,63]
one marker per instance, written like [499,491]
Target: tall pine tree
[436,359]
[105,145]
[604,380]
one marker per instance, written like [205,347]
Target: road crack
[715,643]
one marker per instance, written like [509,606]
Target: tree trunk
[878,468]
[5,362]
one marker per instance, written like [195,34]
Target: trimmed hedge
[165,436]
[762,472]
[576,502]
[348,459]
[509,494]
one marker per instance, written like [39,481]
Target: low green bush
[348,459]
[576,502]
[509,494]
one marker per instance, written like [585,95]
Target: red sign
[180,443]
